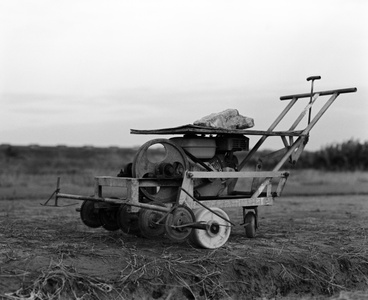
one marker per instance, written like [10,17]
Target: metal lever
[56,193]
[313,78]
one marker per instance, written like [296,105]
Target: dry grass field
[306,248]
[311,244]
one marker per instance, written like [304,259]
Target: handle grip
[322,93]
[313,78]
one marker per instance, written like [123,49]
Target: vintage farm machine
[181,191]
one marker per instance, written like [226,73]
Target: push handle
[321,93]
[313,78]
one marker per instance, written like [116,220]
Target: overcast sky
[84,72]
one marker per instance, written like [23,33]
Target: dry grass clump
[60,281]
[143,275]
[312,254]
[195,274]
[348,295]
[205,274]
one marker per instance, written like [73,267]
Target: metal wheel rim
[211,239]
[146,223]
[180,216]
[127,221]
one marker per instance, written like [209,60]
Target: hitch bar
[58,195]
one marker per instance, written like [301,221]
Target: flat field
[311,244]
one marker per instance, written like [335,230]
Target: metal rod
[196,225]
[215,213]
[278,166]
[320,113]
[149,206]
[301,116]
[115,201]
[264,137]
[322,93]
[89,198]
[288,153]
[310,102]
[313,78]
[198,174]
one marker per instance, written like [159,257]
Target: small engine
[188,153]
[204,148]
[212,154]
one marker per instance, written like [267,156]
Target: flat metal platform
[194,129]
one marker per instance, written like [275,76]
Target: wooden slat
[113,181]
[261,174]
[226,203]
[186,129]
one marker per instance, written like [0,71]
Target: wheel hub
[176,222]
[213,228]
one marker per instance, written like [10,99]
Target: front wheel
[216,229]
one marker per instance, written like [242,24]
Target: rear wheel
[128,221]
[108,218]
[148,222]
[250,224]
[89,215]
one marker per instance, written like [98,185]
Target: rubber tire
[88,216]
[145,215]
[250,227]
[108,219]
[128,222]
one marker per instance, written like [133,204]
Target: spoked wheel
[108,218]
[127,221]
[89,214]
[216,232]
[147,222]
[160,158]
[250,224]
[175,223]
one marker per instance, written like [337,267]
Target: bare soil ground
[306,248]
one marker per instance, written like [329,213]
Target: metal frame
[263,194]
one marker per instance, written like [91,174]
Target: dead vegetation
[305,247]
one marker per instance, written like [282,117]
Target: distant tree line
[351,155]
